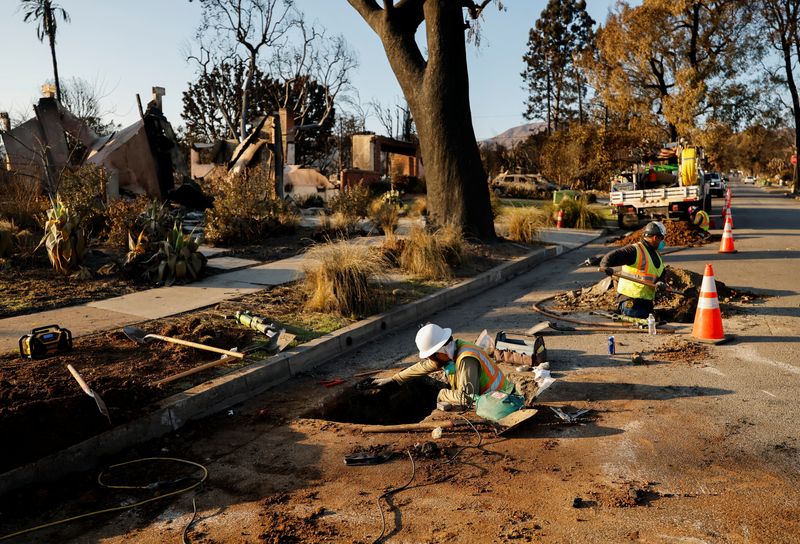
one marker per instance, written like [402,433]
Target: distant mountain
[515,135]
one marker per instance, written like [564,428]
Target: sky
[125,47]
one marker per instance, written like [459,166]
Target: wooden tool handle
[86,388]
[198,346]
[194,370]
[634,280]
[421,426]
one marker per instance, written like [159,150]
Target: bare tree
[241,29]
[436,87]
[780,17]
[327,61]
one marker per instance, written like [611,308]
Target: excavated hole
[392,405]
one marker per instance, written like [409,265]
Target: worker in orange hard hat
[467,367]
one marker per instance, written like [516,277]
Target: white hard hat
[431,338]
[655,228]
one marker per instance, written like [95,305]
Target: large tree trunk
[437,92]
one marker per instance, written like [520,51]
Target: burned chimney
[159,92]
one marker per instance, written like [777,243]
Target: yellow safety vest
[702,220]
[491,378]
[643,269]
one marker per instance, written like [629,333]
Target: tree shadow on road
[563,391]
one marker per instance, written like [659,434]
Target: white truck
[673,200]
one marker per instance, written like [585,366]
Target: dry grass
[524,224]
[343,277]
[425,254]
[123,214]
[21,201]
[577,214]
[418,207]
[385,215]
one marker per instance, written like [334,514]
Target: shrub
[83,191]
[246,209]
[123,216]
[8,232]
[577,214]
[340,277]
[424,255]
[21,201]
[352,202]
[310,201]
[524,223]
[409,184]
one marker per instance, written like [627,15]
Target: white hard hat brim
[446,333]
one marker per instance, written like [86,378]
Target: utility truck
[662,191]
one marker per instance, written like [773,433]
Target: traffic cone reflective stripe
[708,319]
[560,219]
[726,244]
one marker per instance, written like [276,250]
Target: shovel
[89,391]
[690,292]
[138,335]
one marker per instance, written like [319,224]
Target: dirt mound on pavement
[680,350]
[679,233]
[668,306]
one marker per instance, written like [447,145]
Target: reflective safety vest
[643,269]
[688,168]
[702,220]
[491,378]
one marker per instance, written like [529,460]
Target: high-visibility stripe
[708,303]
[492,377]
[708,286]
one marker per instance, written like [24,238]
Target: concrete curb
[244,383]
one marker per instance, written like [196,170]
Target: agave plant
[177,258]
[135,249]
[64,239]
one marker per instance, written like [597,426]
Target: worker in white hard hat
[467,367]
[639,261]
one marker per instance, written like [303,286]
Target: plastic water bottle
[651,324]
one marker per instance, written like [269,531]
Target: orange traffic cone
[708,319]
[726,244]
[560,219]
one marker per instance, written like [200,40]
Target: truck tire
[627,221]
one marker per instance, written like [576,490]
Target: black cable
[462,448]
[391,492]
[191,521]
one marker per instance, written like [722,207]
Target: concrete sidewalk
[245,277]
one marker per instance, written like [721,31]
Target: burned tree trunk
[437,92]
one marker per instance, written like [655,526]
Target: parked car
[716,185]
[532,180]
[750,180]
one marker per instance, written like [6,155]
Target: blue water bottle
[612,349]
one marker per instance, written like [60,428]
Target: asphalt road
[708,449]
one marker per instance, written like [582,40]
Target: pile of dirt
[680,350]
[670,307]
[679,234]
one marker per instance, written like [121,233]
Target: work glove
[608,271]
[381,382]
[661,286]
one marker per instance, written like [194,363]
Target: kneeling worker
[701,219]
[641,261]
[468,369]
